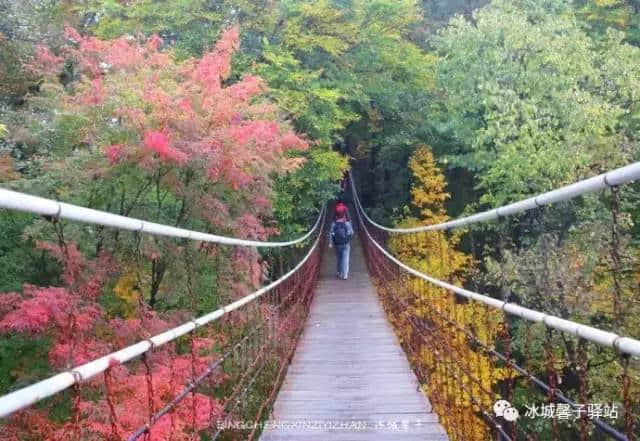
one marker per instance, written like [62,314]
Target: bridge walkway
[349,378]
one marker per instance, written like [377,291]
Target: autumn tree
[447,353]
[340,71]
[149,136]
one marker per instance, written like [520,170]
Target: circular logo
[500,406]
[511,414]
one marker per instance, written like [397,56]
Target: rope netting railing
[521,322]
[197,328]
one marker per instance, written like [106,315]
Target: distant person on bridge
[340,235]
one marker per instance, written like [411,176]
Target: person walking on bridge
[340,235]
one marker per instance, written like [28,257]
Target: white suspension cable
[615,177]
[29,395]
[626,345]
[14,200]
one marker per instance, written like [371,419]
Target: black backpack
[341,234]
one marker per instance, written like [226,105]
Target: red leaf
[158,142]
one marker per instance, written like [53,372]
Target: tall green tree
[531,100]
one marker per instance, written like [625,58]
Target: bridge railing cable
[473,349]
[182,372]
[14,200]
[612,179]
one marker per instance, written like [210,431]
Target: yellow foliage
[428,189]
[319,25]
[127,290]
[458,375]
[608,3]
[608,12]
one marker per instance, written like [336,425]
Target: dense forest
[240,117]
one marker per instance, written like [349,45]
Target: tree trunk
[158,268]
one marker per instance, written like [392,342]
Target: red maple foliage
[215,146]
[72,318]
[179,115]
[158,142]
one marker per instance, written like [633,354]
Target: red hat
[341,209]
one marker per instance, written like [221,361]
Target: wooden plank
[349,379]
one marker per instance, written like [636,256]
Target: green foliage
[300,193]
[438,12]
[192,25]
[23,25]
[20,261]
[325,62]
[24,358]
[530,82]
[69,133]
[311,26]
[600,15]
[391,179]
[313,103]
[14,82]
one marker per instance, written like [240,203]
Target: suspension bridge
[391,353]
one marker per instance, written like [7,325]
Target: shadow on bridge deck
[349,378]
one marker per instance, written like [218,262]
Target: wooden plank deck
[349,378]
